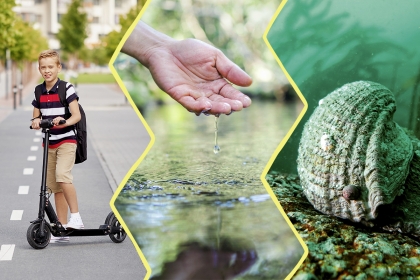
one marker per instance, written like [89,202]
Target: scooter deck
[102,230]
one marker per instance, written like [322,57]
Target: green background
[326,44]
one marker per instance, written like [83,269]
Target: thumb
[232,72]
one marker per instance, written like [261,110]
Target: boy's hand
[35,123]
[57,120]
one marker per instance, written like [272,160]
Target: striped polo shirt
[51,107]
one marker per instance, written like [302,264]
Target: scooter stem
[42,195]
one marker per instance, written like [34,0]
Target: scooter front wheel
[112,221]
[34,238]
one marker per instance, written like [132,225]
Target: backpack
[80,127]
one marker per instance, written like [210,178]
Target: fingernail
[230,112]
[248,99]
[228,107]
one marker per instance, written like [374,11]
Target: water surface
[193,211]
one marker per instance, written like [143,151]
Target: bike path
[20,172]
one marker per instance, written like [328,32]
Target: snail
[356,163]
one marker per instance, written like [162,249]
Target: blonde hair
[50,53]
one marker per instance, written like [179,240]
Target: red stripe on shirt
[62,142]
[50,98]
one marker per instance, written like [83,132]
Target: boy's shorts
[60,164]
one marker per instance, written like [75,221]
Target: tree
[72,33]
[7,21]
[111,41]
[29,42]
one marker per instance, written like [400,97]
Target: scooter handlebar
[48,123]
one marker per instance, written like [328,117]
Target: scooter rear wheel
[112,221]
[37,242]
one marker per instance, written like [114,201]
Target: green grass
[90,78]
[95,78]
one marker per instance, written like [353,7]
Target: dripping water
[216,149]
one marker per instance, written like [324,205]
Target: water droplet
[216,149]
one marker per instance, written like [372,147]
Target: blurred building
[103,17]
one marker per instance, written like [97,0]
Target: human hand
[35,123]
[198,76]
[56,121]
[195,74]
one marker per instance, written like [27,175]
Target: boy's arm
[36,118]
[75,114]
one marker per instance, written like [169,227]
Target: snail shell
[352,156]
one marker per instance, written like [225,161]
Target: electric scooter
[39,232]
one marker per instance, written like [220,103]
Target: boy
[62,147]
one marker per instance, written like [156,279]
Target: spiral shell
[352,156]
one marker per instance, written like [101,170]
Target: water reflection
[198,261]
[183,193]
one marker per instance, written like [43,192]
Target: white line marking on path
[28,171]
[32,158]
[23,190]
[34,148]
[6,252]
[38,133]
[37,139]
[16,215]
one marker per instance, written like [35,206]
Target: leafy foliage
[111,41]
[72,33]
[28,44]
[23,41]
[7,22]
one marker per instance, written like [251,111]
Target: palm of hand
[193,73]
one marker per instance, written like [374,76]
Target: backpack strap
[62,94]
[38,93]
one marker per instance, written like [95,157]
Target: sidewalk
[117,134]
[6,105]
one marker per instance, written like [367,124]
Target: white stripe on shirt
[53,111]
[70,90]
[60,136]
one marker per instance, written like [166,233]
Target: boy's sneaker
[59,239]
[75,223]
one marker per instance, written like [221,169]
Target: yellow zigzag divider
[284,141]
[149,146]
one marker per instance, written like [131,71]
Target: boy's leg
[70,196]
[62,207]
[66,155]
[60,202]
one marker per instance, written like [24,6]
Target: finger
[219,107]
[232,93]
[231,71]
[197,106]
[235,105]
